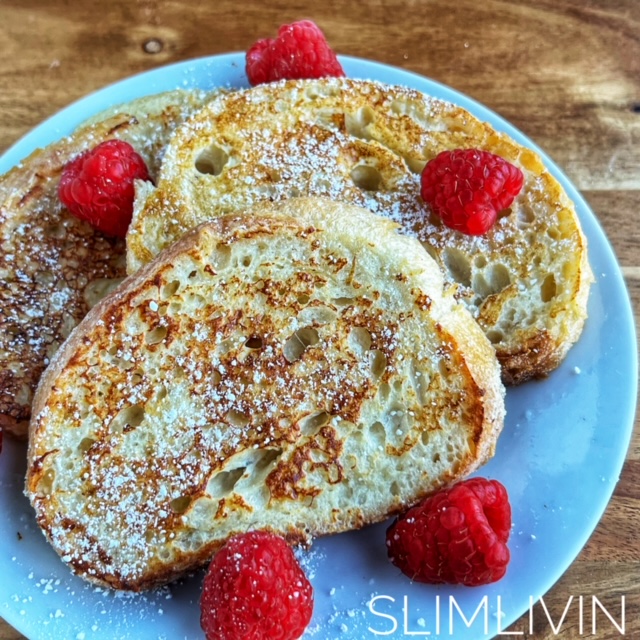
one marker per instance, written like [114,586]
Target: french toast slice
[297,368]
[52,265]
[526,281]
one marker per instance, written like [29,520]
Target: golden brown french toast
[53,266]
[297,367]
[526,281]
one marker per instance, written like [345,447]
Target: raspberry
[467,188]
[98,185]
[457,535]
[299,51]
[255,589]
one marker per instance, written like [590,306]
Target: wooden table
[566,73]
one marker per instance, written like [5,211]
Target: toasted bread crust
[280,369]
[526,281]
[54,266]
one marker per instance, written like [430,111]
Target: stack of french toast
[287,339]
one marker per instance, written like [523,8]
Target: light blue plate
[560,457]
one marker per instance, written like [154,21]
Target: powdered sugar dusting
[177,442]
[366,143]
[55,267]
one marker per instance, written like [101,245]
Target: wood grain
[566,73]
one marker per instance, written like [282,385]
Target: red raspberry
[457,535]
[255,589]
[467,188]
[299,51]
[98,186]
